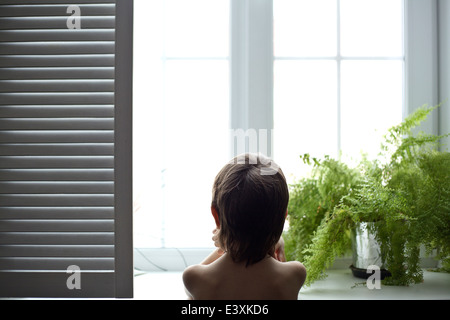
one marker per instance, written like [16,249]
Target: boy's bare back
[249,206]
[223,279]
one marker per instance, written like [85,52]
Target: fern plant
[314,198]
[407,191]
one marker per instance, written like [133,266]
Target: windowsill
[342,285]
[177,259]
[339,285]
[158,276]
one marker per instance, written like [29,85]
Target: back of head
[250,196]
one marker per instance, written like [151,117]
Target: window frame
[251,68]
[123,161]
[421,60]
[251,95]
[252,56]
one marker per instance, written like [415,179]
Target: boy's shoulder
[294,266]
[295,269]
[197,278]
[193,270]
[289,269]
[286,278]
[291,276]
[193,273]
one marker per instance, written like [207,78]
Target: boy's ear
[285,216]
[216,216]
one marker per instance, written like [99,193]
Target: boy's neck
[227,257]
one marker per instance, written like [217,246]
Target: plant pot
[366,252]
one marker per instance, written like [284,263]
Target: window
[338,70]
[67,191]
[320,76]
[181,118]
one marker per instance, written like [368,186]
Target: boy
[249,206]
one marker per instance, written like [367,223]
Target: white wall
[444,69]
[427,46]
[421,48]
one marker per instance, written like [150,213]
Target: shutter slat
[84,212]
[56,174]
[56,187]
[56,263]
[56,85]
[56,111]
[57,73]
[54,10]
[48,60]
[57,98]
[57,225]
[56,149]
[87,22]
[39,237]
[57,35]
[42,283]
[53,2]
[56,250]
[57,124]
[70,47]
[57,200]
[82,136]
[12,162]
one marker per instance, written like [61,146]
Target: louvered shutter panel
[65,149]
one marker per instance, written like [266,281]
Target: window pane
[305,112]
[304,27]
[180,120]
[371,102]
[196,28]
[196,147]
[371,28]
[179,148]
[148,89]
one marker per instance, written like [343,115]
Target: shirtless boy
[249,207]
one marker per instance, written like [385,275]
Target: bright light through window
[180,118]
[371,103]
[338,86]
[305,28]
[371,28]
[338,78]
[305,102]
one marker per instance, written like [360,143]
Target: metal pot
[366,251]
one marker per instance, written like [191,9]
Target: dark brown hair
[250,196]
